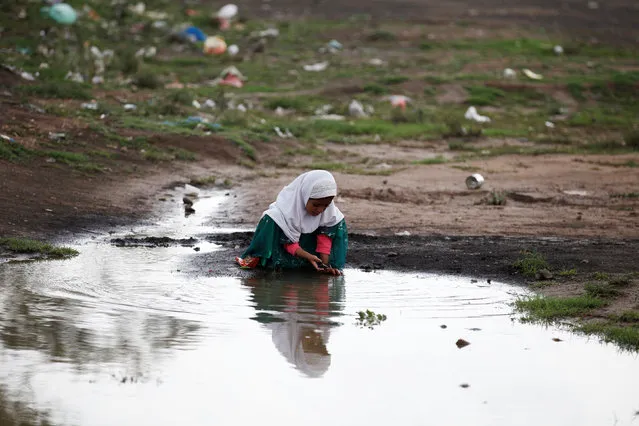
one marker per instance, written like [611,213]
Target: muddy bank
[479,257]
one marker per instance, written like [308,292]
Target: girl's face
[316,206]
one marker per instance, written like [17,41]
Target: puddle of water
[130,336]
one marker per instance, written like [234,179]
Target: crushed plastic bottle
[472,114]
[62,13]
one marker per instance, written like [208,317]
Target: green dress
[269,240]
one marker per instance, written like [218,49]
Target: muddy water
[135,336]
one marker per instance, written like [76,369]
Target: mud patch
[153,242]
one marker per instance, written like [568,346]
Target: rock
[392,254]
[556,339]
[443,326]
[544,274]
[187,201]
[464,385]
[461,343]
[196,248]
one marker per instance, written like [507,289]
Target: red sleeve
[291,248]
[324,244]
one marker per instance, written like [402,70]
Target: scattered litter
[90,105]
[510,73]
[77,77]
[138,8]
[57,136]
[193,34]
[226,14]
[550,124]
[399,101]
[27,76]
[7,138]
[284,135]
[48,210]
[62,13]
[270,32]
[376,62]
[130,107]
[462,343]
[209,103]
[531,75]
[474,181]
[214,46]
[402,234]
[196,104]
[321,66]
[576,192]
[356,109]
[44,66]
[230,76]
[146,52]
[332,46]
[241,108]
[97,79]
[472,114]
[383,166]
[330,117]
[233,50]
[324,109]
[558,50]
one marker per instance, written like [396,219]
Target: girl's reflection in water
[299,310]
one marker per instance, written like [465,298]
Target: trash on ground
[74,76]
[576,192]
[130,107]
[146,52]
[7,138]
[229,76]
[330,117]
[89,105]
[532,75]
[214,46]
[332,46]
[472,114]
[474,181]
[558,50]
[233,50]
[226,14]
[403,234]
[399,101]
[196,104]
[138,8]
[209,103]
[321,66]
[376,62]
[356,109]
[193,34]
[62,13]
[550,124]
[510,73]
[270,32]
[286,134]
[57,136]
[324,109]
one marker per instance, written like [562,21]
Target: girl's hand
[315,261]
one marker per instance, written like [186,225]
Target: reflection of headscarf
[289,209]
[303,344]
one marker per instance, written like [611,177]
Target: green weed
[58,90]
[626,337]
[567,272]
[22,245]
[433,160]
[603,291]
[530,263]
[369,319]
[13,151]
[554,308]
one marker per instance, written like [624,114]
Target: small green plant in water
[369,319]
[22,245]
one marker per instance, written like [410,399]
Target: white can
[474,181]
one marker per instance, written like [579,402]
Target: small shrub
[382,35]
[603,291]
[483,95]
[530,263]
[632,139]
[58,90]
[568,272]
[147,80]
[393,79]
[375,89]
[496,198]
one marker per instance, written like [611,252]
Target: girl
[303,227]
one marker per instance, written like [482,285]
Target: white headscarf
[289,209]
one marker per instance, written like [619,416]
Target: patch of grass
[394,79]
[183,154]
[58,90]
[567,272]
[603,291]
[469,169]
[554,308]
[627,195]
[147,80]
[628,316]
[297,104]
[70,158]
[376,89]
[181,97]
[369,319]
[245,146]
[530,263]
[632,140]
[496,198]
[622,281]
[600,276]
[484,95]
[433,160]
[625,337]
[382,35]
[21,245]
[576,90]
[13,151]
